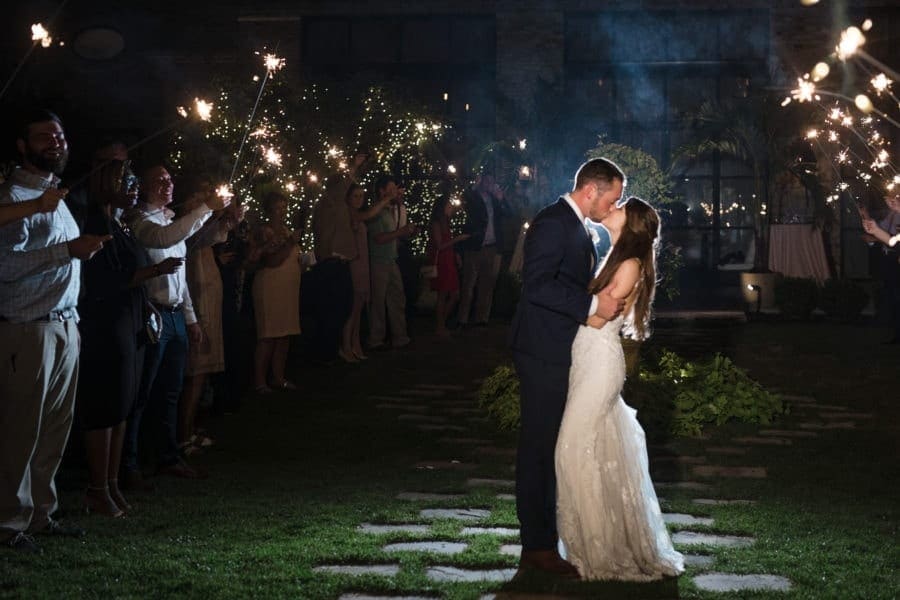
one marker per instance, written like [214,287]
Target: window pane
[737,247]
[696,194]
[679,138]
[640,37]
[473,40]
[745,36]
[640,98]
[590,38]
[694,37]
[738,202]
[687,93]
[695,244]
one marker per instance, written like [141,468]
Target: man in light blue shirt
[40,266]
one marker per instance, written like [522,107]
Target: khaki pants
[480,269]
[388,298]
[38,377]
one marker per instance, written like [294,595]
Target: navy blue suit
[559,256]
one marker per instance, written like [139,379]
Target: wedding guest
[441,254]
[113,310]
[205,286]
[276,294]
[164,237]
[889,257]
[40,279]
[45,203]
[351,346]
[484,206]
[388,296]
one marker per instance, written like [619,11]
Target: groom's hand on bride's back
[609,307]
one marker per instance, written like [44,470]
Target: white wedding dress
[608,516]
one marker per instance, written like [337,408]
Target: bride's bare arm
[620,287]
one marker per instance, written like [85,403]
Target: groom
[559,264]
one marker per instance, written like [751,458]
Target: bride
[608,515]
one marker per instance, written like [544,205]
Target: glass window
[473,40]
[640,37]
[687,93]
[680,138]
[695,244]
[694,37]
[744,36]
[697,196]
[738,202]
[737,246]
[590,38]
[640,97]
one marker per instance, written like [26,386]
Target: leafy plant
[645,179]
[796,296]
[842,299]
[499,395]
[711,392]
[674,396]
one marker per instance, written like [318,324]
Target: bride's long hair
[638,239]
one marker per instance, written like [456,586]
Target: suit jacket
[477,220]
[556,272]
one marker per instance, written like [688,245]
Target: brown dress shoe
[548,561]
[183,470]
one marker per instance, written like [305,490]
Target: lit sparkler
[523,144]
[224,191]
[451,169]
[203,108]
[851,41]
[272,156]
[805,90]
[39,34]
[880,83]
[273,63]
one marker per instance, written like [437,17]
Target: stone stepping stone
[716,502]
[437,427]
[797,398]
[788,433]
[739,472]
[444,465]
[423,393]
[830,407]
[727,582]
[828,426]
[375,528]
[763,441]
[700,561]
[427,496]
[464,441]
[436,547]
[683,460]
[506,497]
[504,531]
[396,399]
[461,514]
[511,550]
[455,574]
[422,418]
[461,410]
[385,570]
[368,597]
[495,451]
[483,482]
[398,528]
[478,420]
[449,387]
[682,485]
[731,450]
[692,538]
[683,519]
[846,415]
[407,407]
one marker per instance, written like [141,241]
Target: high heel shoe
[347,356]
[359,355]
[116,494]
[97,500]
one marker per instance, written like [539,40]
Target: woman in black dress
[112,325]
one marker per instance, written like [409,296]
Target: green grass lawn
[293,476]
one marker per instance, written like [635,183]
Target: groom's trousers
[543,388]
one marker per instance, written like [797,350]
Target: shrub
[673,396]
[842,299]
[796,296]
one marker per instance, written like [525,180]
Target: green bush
[673,396]
[796,296]
[499,395]
[842,299]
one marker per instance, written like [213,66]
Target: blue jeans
[160,390]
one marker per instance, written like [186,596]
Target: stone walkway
[694,535]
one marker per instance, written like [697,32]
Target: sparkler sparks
[203,108]
[39,34]
[851,41]
[273,63]
[451,169]
[863,103]
[820,71]
[880,83]
[523,144]
[805,90]
[272,156]
[224,191]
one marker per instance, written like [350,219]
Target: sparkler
[272,64]
[39,35]
[224,191]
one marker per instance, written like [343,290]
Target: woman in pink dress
[443,256]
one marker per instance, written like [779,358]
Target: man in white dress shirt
[164,237]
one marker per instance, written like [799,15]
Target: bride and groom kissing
[582,475]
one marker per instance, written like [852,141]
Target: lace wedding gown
[608,515]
